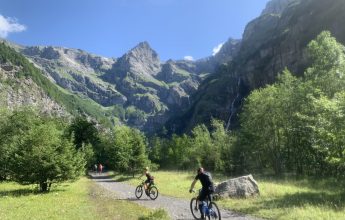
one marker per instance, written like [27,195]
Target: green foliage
[135,116]
[36,150]
[7,148]
[83,132]
[202,148]
[126,150]
[327,70]
[159,214]
[296,125]
[86,138]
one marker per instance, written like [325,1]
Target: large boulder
[242,187]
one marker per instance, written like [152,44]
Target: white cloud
[9,25]
[189,58]
[217,49]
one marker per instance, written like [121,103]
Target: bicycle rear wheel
[194,208]
[214,212]
[139,191]
[153,193]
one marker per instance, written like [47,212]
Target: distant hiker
[100,168]
[95,168]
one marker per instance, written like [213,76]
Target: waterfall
[233,108]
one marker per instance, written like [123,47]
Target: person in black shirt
[207,186]
[149,178]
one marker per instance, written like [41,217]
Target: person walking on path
[100,168]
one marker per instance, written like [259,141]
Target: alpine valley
[139,90]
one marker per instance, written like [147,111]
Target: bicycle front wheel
[153,194]
[194,208]
[214,212]
[139,191]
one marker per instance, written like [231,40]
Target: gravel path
[177,208]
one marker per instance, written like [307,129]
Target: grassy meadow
[78,200]
[280,199]
[284,198]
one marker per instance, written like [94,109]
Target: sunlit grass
[293,199]
[80,200]
[68,201]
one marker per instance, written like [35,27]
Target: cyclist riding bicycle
[149,178]
[207,187]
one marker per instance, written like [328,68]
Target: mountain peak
[141,59]
[143,44]
[143,49]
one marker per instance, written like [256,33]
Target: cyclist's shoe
[196,208]
[147,192]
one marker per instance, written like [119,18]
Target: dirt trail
[177,208]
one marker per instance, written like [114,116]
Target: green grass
[80,200]
[279,199]
[64,202]
[159,214]
[293,199]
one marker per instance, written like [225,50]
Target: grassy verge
[80,200]
[294,199]
[65,202]
[279,199]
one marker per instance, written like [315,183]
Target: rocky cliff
[24,92]
[275,40]
[147,91]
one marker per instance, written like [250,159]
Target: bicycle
[210,209]
[152,190]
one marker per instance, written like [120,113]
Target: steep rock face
[284,45]
[23,92]
[76,71]
[171,73]
[47,52]
[227,53]
[270,43]
[277,6]
[141,60]
[137,82]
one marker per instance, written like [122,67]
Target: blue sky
[173,28]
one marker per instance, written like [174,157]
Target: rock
[276,6]
[242,187]
[141,60]
[7,67]
[49,53]
[171,73]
